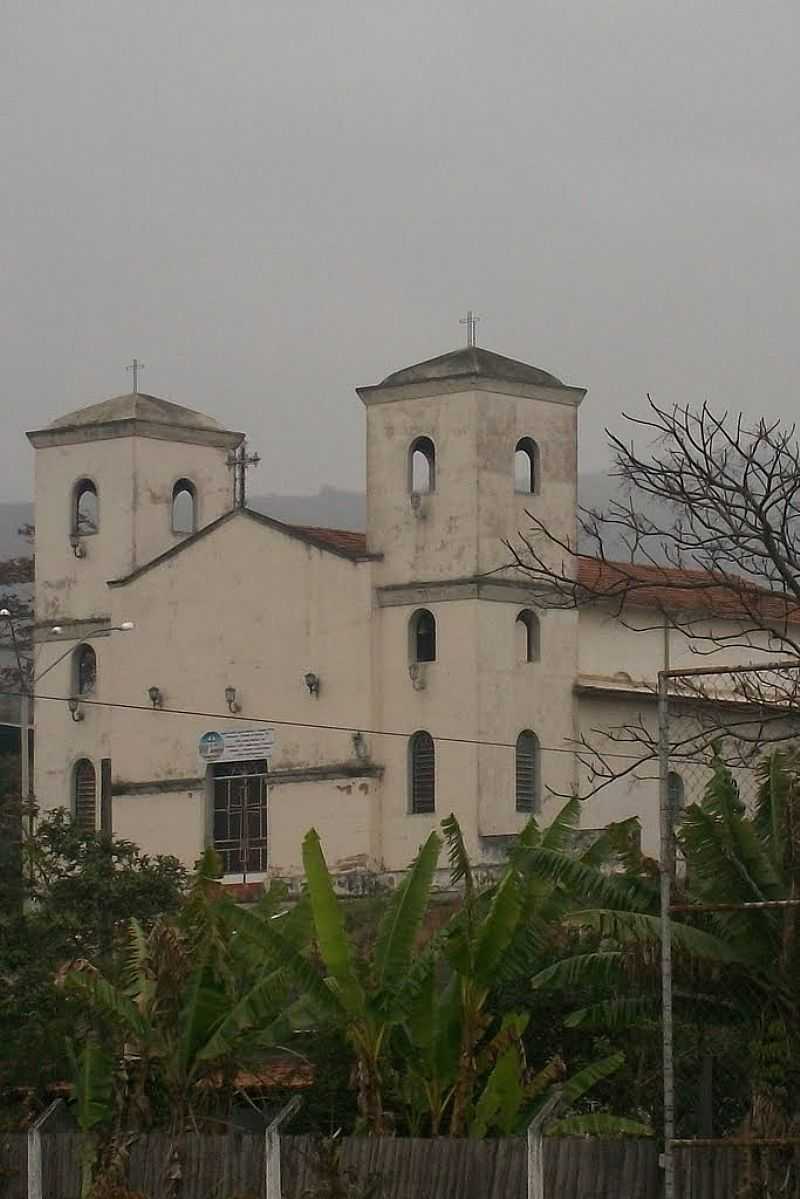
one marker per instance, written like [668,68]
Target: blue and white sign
[237,745]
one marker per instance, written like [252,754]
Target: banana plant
[498,938]
[366,1000]
[191,1007]
[92,1068]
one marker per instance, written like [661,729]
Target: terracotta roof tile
[679,590]
[344,540]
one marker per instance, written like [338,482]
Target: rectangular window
[240,816]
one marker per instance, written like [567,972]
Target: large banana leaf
[640,927]
[99,993]
[584,881]
[283,955]
[264,1008]
[502,1096]
[497,928]
[403,917]
[460,865]
[582,970]
[93,1081]
[560,832]
[329,924]
[578,1084]
[598,1124]
[205,1004]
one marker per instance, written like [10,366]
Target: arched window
[526,633]
[84,508]
[526,466]
[422,466]
[84,796]
[422,773]
[85,671]
[527,772]
[675,793]
[422,636]
[183,507]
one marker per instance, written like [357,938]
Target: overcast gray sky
[271,203]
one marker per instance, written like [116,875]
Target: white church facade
[406,673]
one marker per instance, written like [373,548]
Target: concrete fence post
[536,1146]
[272,1149]
[35,1190]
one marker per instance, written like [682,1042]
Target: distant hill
[337,509]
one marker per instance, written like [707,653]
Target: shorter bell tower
[116,484]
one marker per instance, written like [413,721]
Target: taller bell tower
[458,448]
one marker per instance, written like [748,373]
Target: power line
[228,717]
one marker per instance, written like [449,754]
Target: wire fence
[715,730]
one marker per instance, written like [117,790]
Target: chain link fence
[716,727]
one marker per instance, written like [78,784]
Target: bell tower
[116,484]
[458,448]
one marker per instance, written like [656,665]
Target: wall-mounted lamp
[156,698]
[74,708]
[311,681]
[231,700]
[360,747]
[77,546]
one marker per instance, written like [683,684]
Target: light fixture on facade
[74,708]
[77,546]
[360,747]
[231,700]
[312,682]
[156,698]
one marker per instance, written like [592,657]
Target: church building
[280,677]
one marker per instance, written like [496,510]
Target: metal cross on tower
[471,321]
[240,462]
[135,367]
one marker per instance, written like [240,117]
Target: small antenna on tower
[240,462]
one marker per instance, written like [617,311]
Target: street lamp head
[56,629]
[4,612]
[126,626]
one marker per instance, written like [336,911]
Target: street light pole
[25,787]
[26,702]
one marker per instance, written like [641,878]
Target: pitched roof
[135,406]
[341,542]
[474,362]
[676,589]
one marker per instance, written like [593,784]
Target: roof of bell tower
[135,406]
[472,361]
[468,366]
[135,414]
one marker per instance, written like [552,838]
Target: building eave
[133,427]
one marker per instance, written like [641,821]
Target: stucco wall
[459,530]
[134,477]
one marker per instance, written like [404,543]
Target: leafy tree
[736,972]
[16,581]
[83,890]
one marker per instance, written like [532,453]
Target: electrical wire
[307,724]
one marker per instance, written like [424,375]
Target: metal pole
[25,721]
[666,858]
[272,1149]
[35,1151]
[536,1146]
